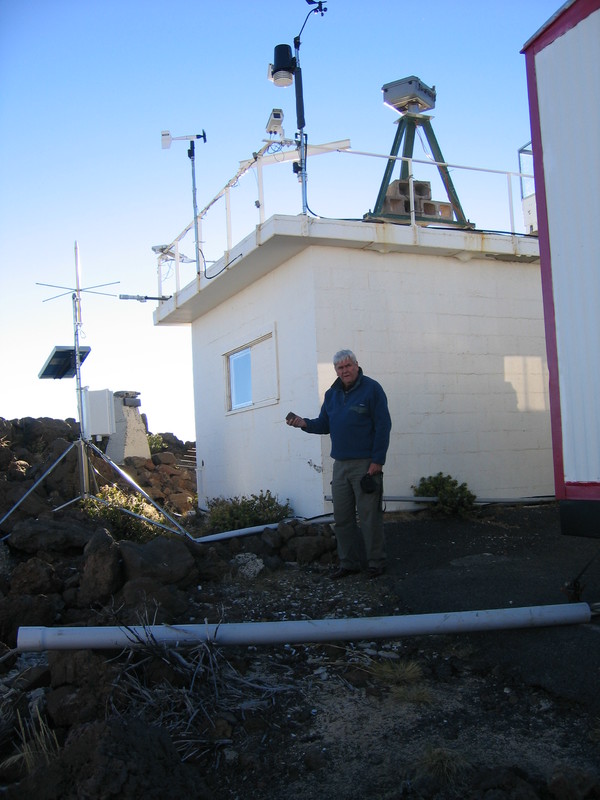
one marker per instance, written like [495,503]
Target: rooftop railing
[342,184]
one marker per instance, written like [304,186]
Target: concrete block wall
[461,357]
[458,346]
[245,451]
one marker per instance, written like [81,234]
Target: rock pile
[250,722]
[30,447]
[65,568]
[164,480]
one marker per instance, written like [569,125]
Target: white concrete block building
[449,321]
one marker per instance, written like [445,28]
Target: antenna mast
[64,362]
[77,325]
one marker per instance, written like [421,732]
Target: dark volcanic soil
[491,715]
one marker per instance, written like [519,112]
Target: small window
[252,374]
[240,378]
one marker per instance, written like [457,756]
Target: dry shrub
[189,691]
[404,679]
[441,765]
[37,746]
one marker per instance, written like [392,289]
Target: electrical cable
[335,219]
[574,588]
[427,152]
[229,263]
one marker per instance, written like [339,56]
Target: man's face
[347,371]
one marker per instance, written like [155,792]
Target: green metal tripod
[407,127]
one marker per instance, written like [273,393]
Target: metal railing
[475,193]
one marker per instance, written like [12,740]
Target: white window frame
[245,352]
[261,395]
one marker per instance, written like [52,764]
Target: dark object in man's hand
[368,484]
[290,416]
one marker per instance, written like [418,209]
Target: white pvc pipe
[301,631]
[234,534]
[238,532]
[328,518]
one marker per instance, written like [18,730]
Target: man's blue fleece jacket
[358,420]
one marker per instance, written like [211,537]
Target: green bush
[113,512]
[245,512]
[156,443]
[452,498]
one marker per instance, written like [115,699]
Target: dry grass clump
[441,765]
[195,693]
[37,745]
[404,679]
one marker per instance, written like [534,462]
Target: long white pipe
[234,534]
[328,518]
[301,631]
[239,532]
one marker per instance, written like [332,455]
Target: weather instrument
[165,141]
[284,71]
[411,97]
[65,362]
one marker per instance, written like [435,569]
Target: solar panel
[61,362]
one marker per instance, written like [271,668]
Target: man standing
[355,414]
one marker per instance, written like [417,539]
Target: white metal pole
[261,193]
[159,275]
[76,330]
[228,222]
[510,202]
[82,456]
[177,263]
[192,156]
[203,262]
[411,192]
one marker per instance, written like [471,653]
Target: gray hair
[341,355]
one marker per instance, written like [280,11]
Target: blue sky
[86,87]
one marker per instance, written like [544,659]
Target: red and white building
[563,76]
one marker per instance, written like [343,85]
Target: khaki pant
[348,499]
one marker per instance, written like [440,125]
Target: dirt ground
[440,716]
[478,716]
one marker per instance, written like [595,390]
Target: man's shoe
[375,572]
[341,572]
